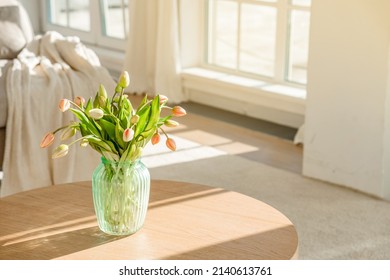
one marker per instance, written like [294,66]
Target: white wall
[347,137]
[33,9]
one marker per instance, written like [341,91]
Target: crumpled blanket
[50,68]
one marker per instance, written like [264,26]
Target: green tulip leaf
[119,135]
[108,127]
[155,113]
[143,120]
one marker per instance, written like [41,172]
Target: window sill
[272,102]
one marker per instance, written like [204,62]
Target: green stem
[58,129]
[146,103]
[74,104]
[166,135]
[77,140]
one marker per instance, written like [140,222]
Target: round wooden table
[184,221]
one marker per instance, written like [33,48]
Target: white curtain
[152,54]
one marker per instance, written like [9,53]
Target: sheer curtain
[152,54]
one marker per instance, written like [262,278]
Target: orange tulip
[156,138]
[47,140]
[171,144]
[178,111]
[64,105]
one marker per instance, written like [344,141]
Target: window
[102,23]
[72,14]
[259,38]
[115,18]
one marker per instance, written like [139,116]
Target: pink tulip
[171,144]
[79,100]
[47,140]
[64,105]
[163,99]
[178,111]
[128,135]
[156,138]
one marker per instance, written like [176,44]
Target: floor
[273,142]
[333,222]
[277,130]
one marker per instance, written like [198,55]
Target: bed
[15,32]
[35,73]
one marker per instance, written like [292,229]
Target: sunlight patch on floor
[236,148]
[181,156]
[201,146]
[203,137]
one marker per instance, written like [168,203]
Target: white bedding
[3,96]
[50,68]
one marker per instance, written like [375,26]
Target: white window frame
[93,37]
[283,8]
[268,99]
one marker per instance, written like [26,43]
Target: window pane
[242,35]
[258,35]
[298,46]
[70,13]
[58,14]
[116,19]
[79,17]
[270,1]
[306,3]
[222,49]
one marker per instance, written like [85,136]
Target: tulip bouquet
[112,126]
[119,132]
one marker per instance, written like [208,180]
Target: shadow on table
[56,245]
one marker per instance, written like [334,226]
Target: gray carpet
[332,222]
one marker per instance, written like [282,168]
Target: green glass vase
[120,196]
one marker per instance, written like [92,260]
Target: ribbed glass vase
[120,196]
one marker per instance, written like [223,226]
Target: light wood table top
[184,221]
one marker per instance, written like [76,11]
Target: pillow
[12,40]
[13,35]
